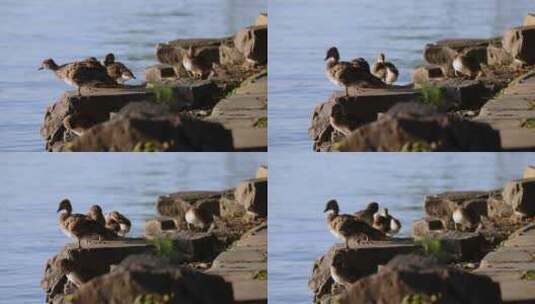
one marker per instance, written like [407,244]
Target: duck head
[65,205]
[109,59]
[95,209]
[332,53]
[332,207]
[48,64]
[381,57]
[373,207]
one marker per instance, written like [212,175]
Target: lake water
[302,30]
[67,30]
[301,184]
[34,183]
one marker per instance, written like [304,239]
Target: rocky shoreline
[172,111]
[439,262]
[171,263]
[439,111]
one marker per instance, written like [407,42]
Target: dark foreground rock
[520,195]
[520,43]
[93,260]
[361,261]
[414,279]
[147,279]
[414,127]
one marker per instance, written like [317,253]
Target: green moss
[261,122]
[435,248]
[163,93]
[528,123]
[421,298]
[155,298]
[417,146]
[166,248]
[528,275]
[151,146]
[261,275]
[431,94]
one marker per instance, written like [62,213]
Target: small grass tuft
[261,275]
[431,94]
[421,298]
[528,275]
[155,298]
[528,123]
[162,92]
[417,146]
[151,146]
[166,248]
[435,248]
[261,122]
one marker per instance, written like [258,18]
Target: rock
[459,246]
[92,108]
[262,172]
[497,55]
[149,280]
[529,19]
[229,207]
[413,127]
[443,204]
[360,110]
[229,55]
[520,43]
[498,208]
[192,246]
[424,227]
[158,225]
[443,52]
[252,194]
[529,172]
[362,261]
[414,279]
[92,260]
[175,204]
[171,52]
[262,19]
[252,43]
[159,72]
[186,94]
[466,94]
[520,194]
[423,75]
[153,127]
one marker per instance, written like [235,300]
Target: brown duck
[78,226]
[366,215]
[466,65]
[465,218]
[118,223]
[95,213]
[80,74]
[384,70]
[346,227]
[195,64]
[117,70]
[349,74]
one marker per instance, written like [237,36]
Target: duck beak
[40,68]
[59,209]
[326,57]
[326,209]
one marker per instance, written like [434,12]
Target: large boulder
[252,195]
[415,279]
[520,195]
[425,74]
[415,127]
[425,227]
[361,261]
[520,43]
[443,204]
[176,204]
[252,42]
[148,279]
[153,127]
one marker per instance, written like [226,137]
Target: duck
[196,65]
[349,74]
[347,227]
[78,226]
[340,273]
[465,65]
[198,218]
[384,70]
[366,215]
[70,268]
[117,222]
[383,221]
[79,73]
[361,63]
[95,213]
[117,70]
[339,121]
[465,218]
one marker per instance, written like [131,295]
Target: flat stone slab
[245,114]
[507,112]
[245,266]
[507,265]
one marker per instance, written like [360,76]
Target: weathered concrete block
[498,208]
[520,43]
[361,261]
[252,43]
[415,279]
[158,225]
[229,207]
[461,246]
[230,55]
[497,55]
[464,93]
[520,194]
[423,75]
[159,72]
[424,227]
[252,194]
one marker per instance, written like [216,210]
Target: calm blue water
[302,30]
[66,30]
[34,183]
[301,184]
